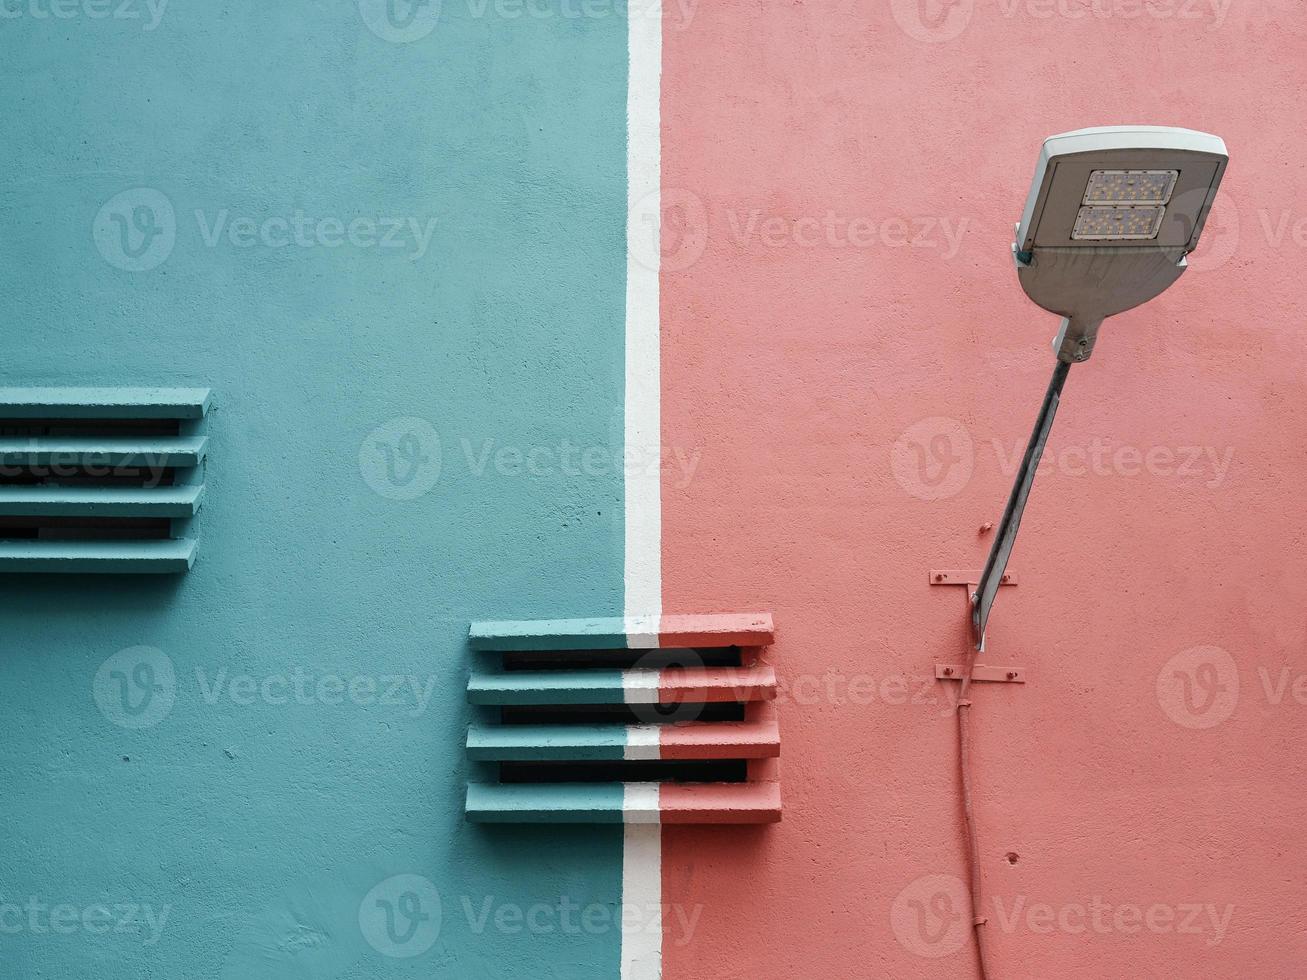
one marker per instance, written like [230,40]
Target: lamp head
[1110,217]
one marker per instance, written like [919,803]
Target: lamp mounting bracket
[968,576]
[982,672]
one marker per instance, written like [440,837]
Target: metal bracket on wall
[981,672]
[970,577]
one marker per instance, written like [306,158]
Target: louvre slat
[154,452]
[634,686]
[103,403]
[58,501]
[632,632]
[149,557]
[707,803]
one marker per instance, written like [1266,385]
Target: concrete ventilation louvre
[609,721]
[101,480]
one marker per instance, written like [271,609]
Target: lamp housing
[1112,213]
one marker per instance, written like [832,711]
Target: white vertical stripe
[642,844]
[643,438]
[641,686]
[642,883]
[642,743]
[640,806]
[642,631]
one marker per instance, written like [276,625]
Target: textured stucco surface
[813,357]
[796,363]
[264,826]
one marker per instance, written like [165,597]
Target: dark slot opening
[84,528]
[619,659]
[646,771]
[78,428]
[85,471]
[626,714]
[86,476]
[90,471]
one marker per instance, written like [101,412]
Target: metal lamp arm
[1005,538]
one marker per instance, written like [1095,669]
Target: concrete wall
[262,826]
[848,374]
[861,402]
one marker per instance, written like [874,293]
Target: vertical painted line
[644,531]
[642,846]
[641,686]
[642,631]
[642,883]
[642,742]
[641,805]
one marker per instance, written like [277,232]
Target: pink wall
[802,365]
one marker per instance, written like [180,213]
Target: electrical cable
[986,589]
[968,810]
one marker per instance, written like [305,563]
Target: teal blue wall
[262,827]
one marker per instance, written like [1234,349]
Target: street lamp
[1111,216]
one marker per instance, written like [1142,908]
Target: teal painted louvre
[101,480]
[608,720]
[104,403]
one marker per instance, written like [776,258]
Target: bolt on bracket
[969,577]
[982,672]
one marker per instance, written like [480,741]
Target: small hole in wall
[1011,857]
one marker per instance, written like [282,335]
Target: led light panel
[1130,186]
[1110,224]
